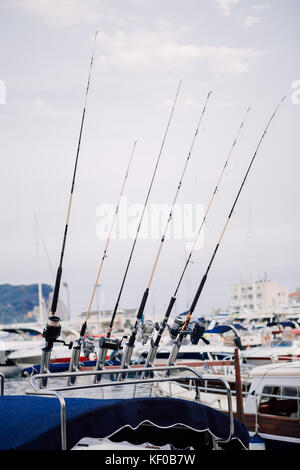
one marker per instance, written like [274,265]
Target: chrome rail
[55,392]
[2,383]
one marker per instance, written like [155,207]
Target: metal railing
[2,383]
[56,392]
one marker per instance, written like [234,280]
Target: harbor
[149,291]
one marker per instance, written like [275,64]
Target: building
[98,322]
[259,296]
[294,302]
[294,298]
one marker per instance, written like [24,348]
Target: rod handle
[198,293]
[83,329]
[56,289]
[165,320]
[143,304]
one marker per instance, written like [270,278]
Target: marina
[158,369]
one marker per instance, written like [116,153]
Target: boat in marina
[27,349]
[269,402]
[283,346]
[63,407]
[190,352]
[62,423]
[15,338]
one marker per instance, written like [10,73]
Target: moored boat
[63,422]
[271,405]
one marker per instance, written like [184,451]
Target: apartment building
[258,296]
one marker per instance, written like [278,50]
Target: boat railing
[258,396]
[217,391]
[1,383]
[36,379]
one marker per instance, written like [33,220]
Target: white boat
[271,407]
[26,353]
[55,422]
[279,349]
[13,339]
[189,352]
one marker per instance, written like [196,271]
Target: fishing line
[59,271]
[104,256]
[129,346]
[89,343]
[53,328]
[154,346]
[107,342]
[142,215]
[182,328]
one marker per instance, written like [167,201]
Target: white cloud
[250,21]
[64,13]
[45,110]
[143,52]
[225,6]
[261,6]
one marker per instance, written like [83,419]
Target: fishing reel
[88,346]
[146,330]
[111,343]
[52,332]
[197,331]
[175,329]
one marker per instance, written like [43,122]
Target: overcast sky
[245,51]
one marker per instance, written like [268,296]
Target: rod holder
[44,365]
[100,363]
[74,361]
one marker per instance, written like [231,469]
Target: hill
[19,303]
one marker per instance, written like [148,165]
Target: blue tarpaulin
[219,329]
[33,422]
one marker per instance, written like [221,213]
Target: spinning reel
[175,329]
[196,330]
[113,344]
[52,332]
[146,330]
[88,346]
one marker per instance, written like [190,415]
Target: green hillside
[17,302]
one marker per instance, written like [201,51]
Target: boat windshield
[280,401]
[282,343]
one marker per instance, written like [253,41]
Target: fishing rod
[178,321]
[53,327]
[88,344]
[197,332]
[148,326]
[106,342]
